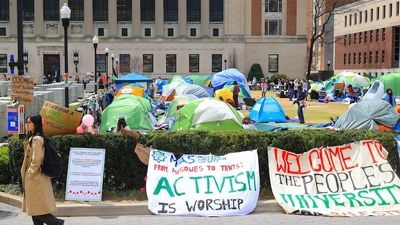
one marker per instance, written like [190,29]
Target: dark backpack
[52,164]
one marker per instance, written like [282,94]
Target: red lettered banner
[349,180]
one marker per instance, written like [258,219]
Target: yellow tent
[225,93]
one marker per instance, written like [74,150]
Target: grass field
[315,112]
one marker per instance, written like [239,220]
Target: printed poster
[202,185]
[349,180]
[85,174]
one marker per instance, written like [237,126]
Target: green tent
[207,114]
[199,79]
[135,109]
[391,80]
[179,100]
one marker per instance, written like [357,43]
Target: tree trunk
[310,59]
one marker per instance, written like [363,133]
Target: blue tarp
[160,85]
[132,78]
[220,79]
[267,109]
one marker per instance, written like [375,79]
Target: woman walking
[38,200]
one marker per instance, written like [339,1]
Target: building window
[170,63]
[361,18]
[390,10]
[147,63]
[377,35]
[359,58]
[366,16]
[397,8]
[51,10]
[376,57]
[125,63]
[273,27]
[345,40]
[77,10]
[349,59]
[383,56]
[377,13]
[101,63]
[345,21]
[355,18]
[350,20]
[124,32]
[370,57]
[355,38]
[273,63]
[100,10]
[170,10]
[359,38]
[216,10]
[383,34]
[216,62]
[365,36]
[4,10]
[349,39]
[29,10]
[344,59]
[354,58]
[194,63]
[384,12]
[193,10]
[215,32]
[365,57]
[371,36]
[396,38]
[273,5]
[147,10]
[193,32]
[372,15]
[3,31]
[3,63]
[170,32]
[124,10]
[147,32]
[100,32]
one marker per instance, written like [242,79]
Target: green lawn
[315,112]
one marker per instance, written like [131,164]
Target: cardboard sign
[349,180]
[59,120]
[85,174]
[22,89]
[203,185]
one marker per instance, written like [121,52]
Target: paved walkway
[12,215]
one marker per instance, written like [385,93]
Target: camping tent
[368,114]
[207,114]
[168,90]
[132,78]
[376,91]
[229,75]
[135,109]
[391,80]
[133,89]
[194,89]
[179,100]
[267,109]
[347,78]
[203,80]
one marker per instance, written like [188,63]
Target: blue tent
[220,79]
[267,109]
[132,78]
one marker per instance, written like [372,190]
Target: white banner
[349,180]
[85,174]
[203,185]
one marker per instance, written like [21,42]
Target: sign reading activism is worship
[349,180]
[203,185]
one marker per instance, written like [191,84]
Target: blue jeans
[300,113]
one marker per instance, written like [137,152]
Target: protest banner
[59,120]
[202,185]
[22,89]
[349,180]
[85,174]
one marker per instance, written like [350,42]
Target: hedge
[123,170]
[5,174]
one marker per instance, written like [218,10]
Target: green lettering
[197,184]
[251,176]
[220,188]
[230,182]
[361,195]
[208,185]
[176,191]
[163,184]
[243,188]
[352,197]
[376,191]
[335,200]
[324,200]
[301,199]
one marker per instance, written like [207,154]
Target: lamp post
[20,40]
[65,13]
[76,60]
[225,63]
[117,69]
[26,60]
[112,64]
[95,41]
[328,64]
[107,50]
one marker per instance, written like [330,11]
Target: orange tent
[133,90]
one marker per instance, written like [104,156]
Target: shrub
[124,171]
[256,71]
[5,174]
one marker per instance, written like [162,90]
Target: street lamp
[76,60]
[107,50]
[328,64]
[112,65]
[65,13]
[26,60]
[225,63]
[95,41]
[20,42]
[116,62]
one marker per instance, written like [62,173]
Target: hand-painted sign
[59,120]
[85,174]
[203,185]
[22,89]
[350,180]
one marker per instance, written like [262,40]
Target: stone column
[205,18]
[39,20]
[112,18]
[13,16]
[182,20]
[159,23]
[88,20]
[136,25]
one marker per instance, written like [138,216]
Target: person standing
[236,91]
[300,99]
[388,96]
[38,200]
[263,88]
